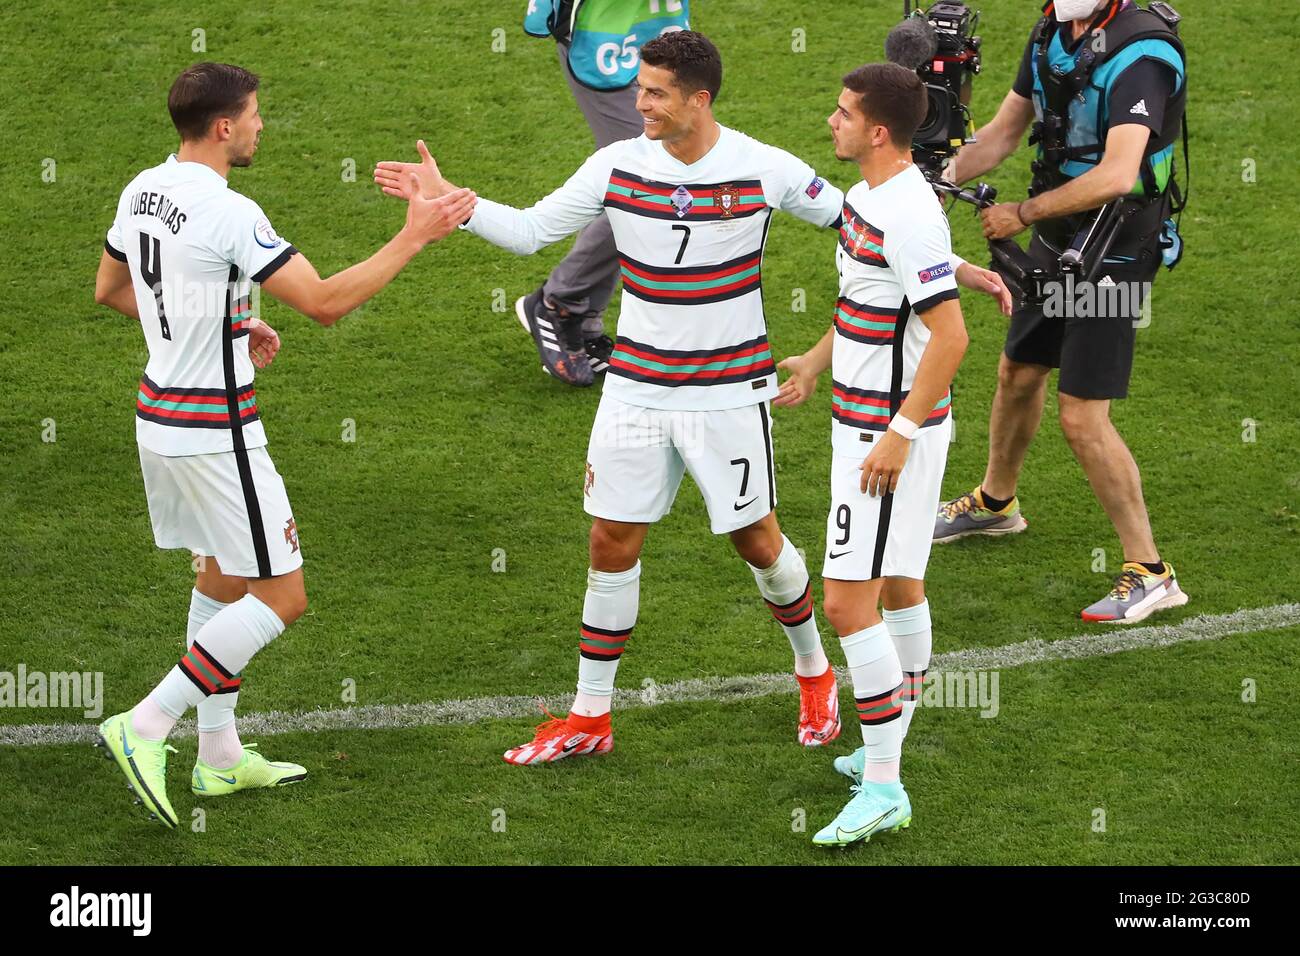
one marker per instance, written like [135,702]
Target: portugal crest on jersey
[725,199]
[682,201]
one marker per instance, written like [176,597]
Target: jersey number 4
[151,273]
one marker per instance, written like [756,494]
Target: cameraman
[1103,82]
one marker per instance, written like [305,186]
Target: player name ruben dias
[160,207]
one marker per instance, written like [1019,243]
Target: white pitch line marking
[1114,639]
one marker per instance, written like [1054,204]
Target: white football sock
[221,749]
[219,744]
[910,629]
[220,650]
[608,616]
[788,593]
[877,680]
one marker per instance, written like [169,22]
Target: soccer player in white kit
[691,374]
[182,255]
[896,342]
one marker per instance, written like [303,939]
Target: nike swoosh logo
[572,742]
[229,780]
[125,749]
[843,834]
[742,506]
[636,195]
[832,555]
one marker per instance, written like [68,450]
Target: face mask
[1075,9]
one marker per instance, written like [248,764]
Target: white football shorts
[888,536]
[214,507]
[637,456]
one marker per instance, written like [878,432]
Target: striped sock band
[608,616]
[217,712]
[788,594]
[203,670]
[220,651]
[601,643]
[877,687]
[911,691]
[798,611]
[880,708]
[910,630]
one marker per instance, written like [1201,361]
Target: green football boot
[144,762]
[251,772]
[874,808]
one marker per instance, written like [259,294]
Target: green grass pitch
[465,453]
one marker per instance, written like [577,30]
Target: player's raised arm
[794,187]
[521,231]
[297,284]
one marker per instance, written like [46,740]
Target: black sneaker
[599,349]
[558,339]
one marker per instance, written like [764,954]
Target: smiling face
[668,112]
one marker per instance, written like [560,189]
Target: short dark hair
[207,92]
[690,57]
[892,96]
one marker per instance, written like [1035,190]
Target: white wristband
[903,426]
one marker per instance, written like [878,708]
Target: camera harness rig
[1067,150]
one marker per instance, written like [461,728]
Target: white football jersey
[895,260]
[691,330]
[194,247]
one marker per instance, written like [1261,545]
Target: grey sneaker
[1137,595]
[599,349]
[558,339]
[967,515]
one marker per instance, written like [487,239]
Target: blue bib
[604,48]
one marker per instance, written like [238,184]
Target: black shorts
[1088,335]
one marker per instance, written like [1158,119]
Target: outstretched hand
[394,177]
[985,280]
[432,219]
[799,386]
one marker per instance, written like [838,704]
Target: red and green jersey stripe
[861,240]
[880,708]
[602,643]
[671,367]
[869,324]
[863,408]
[240,316]
[193,407]
[693,285]
[691,202]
